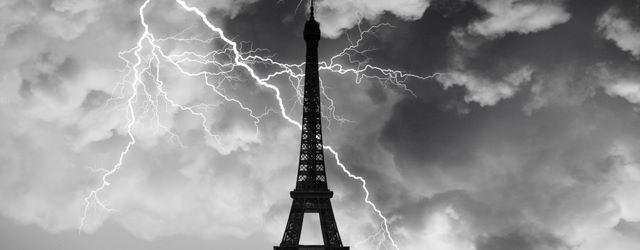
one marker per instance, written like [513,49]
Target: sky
[477,124]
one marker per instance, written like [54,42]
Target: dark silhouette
[311,194]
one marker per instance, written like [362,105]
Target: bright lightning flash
[143,92]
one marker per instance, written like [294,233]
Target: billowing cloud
[621,30]
[56,87]
[621,82]
[518,16]
[626,88]
[335,16]
[484,91]
[226,7]
[562,87]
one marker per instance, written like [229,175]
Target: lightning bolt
[147,68]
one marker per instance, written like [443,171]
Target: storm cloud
[526,138]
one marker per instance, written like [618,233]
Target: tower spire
[312,8]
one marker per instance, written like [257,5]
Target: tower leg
[330,233]
[293,228]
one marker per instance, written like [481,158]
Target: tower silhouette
[311,194]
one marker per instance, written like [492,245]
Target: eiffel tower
[311,194]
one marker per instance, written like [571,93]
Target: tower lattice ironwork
[311,194]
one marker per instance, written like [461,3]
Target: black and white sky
[524,134]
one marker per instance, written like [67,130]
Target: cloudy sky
[517,128]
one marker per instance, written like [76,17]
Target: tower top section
[312,28]
[312,10]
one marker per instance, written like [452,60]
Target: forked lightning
[148,67]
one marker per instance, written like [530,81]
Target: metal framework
[311,194]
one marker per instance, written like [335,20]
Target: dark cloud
[522,240]
[631,228]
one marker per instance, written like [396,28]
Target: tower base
[310,247]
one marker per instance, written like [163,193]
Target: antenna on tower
[312,3]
